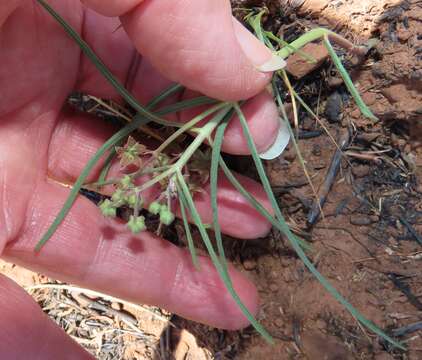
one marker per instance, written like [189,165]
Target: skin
[42,140]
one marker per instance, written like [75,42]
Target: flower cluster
[127,195]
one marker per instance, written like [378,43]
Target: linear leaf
[216,261]
[293,240]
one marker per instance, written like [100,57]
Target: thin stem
[203,134]
[136,173]
[187,126]
[295,142]
[316,34]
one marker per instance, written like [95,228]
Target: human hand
[196,43]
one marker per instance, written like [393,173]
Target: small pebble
[273,287]
[316,150]
[290,154]
[355,114]
[334,107]
[249,264]
[279,323]
[369,98]
[361,171]
[383,356]
[374,218]
[360,220]
[318,164]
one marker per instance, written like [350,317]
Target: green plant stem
[144,171]
[316,34]
[107,165]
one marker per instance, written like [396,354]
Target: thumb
[197,43]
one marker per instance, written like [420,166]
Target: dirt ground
[368,243]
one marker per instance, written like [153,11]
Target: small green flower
[107,208]
[118,198]
[155,208]
[126,182]
[136,224]
[163,159]
[130,153]
[166,216]
[131,200]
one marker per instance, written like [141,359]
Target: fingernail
[274,64]
[262,57]
[280,143]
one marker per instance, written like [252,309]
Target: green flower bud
[107,208]
[155,208]
[166,216]
[136,224]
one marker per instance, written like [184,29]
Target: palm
[41,141]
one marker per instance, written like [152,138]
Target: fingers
[145,82]
[83,136]
[27,333]
[182,40]
[94,252]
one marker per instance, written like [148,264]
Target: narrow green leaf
[294,242]
[255,21]
[256,204]
[191,245]
[107,165]
[110,143]
[216,260]
[215,157]
[171,90]
[186,104]
[126,95]
[348,81]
